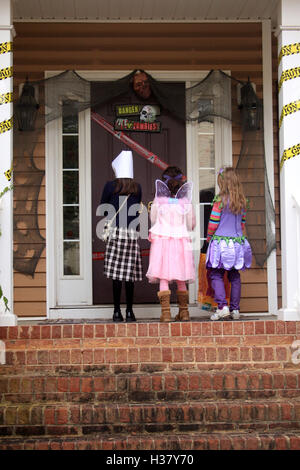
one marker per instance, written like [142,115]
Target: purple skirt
[228,254]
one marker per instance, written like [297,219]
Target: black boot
[117,287]
[117,316]
[129,301]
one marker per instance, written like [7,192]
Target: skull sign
[148,114]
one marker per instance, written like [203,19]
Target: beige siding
[40,46]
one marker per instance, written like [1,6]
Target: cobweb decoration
[216,97]
[67,94]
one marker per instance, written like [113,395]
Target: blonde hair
[231,190]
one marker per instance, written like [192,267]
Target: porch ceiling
[144,10]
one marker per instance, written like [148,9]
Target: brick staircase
[176,386]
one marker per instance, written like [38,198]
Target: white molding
[51,129]
[10,28]
[136,20]
[268,143]
[163,75]
[33,319]
[281,28]
[286,314]
[57,283]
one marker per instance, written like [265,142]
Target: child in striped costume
[228,250]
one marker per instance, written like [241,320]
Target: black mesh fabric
[215,96]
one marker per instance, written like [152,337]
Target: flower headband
[221,171]
[178,177]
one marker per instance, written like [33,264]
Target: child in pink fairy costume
[171,256]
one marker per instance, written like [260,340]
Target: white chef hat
[123,164]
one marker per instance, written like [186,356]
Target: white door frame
[87,310]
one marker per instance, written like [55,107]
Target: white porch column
[289,154]
[7,316]
[268,140]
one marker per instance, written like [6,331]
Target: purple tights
[217,283]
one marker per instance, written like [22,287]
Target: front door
[169,145]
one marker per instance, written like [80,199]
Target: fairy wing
[162,189]
[185,191]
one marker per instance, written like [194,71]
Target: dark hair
[172,176]
[125,186]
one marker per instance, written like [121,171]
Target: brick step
[203,441]
[83,419]
[263,343]
[152,329]
[148,386]
[172,385]
[168,357]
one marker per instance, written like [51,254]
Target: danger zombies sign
[137,117]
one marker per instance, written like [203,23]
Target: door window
[210,148]
[70,200]
[206,173]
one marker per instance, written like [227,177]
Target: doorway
[169,143]
[71,296]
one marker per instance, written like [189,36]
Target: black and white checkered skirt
[122,256]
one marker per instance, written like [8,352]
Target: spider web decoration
[216,97]
[67,94]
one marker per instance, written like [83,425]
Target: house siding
[40,47]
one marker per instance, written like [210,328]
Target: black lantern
[251,108]
[27,108]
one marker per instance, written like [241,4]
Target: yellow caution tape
[8,174]
[289,109]
[289,75]
[6,98]
[289,153]
[289,49]
[5,47]
[6,125]
[6,73]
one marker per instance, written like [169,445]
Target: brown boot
[164,298]
[183,299]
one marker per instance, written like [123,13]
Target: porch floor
[201,318]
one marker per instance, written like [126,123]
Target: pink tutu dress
[171,254]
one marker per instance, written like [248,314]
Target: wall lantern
[250,106]
[27,108]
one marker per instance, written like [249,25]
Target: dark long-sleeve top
[110,197]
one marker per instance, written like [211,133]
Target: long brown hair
[231,190]
[172,176]
[125,186]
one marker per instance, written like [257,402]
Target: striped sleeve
[243,219]
[214,220]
